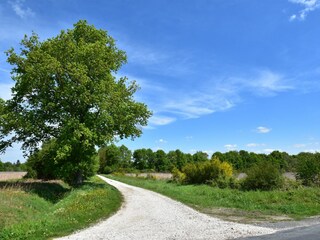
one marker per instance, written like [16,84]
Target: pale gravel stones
[146,215]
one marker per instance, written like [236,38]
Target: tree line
[114,158]
[12,167]
[263,170]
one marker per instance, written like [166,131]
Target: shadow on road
[300,233]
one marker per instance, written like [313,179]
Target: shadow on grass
[50,191]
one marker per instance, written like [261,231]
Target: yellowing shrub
[208,171]
[226,169]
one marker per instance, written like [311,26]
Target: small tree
[65,89]
[263,176]
[308,168]
[125,157]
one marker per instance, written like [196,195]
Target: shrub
[208,171]
[263,176]
[178,176]
[41,164]
[308,168]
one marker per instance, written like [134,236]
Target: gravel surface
[149,215]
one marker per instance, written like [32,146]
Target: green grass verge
[297,203]
[43,210]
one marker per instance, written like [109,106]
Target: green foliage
[31,210]
[308,168]
[12,167]
[161,161]
[296,203]
[41,163]
[1,166]
[177,159]
[65,89]
[143,159]
[207,171]
[46,164]
[200,157]
[178,176]
[243,160]
[263,176]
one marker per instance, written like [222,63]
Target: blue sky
[218,75]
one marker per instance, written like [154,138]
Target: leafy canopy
[66,89]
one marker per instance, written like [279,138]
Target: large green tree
[66,89]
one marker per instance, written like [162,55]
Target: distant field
[165,176]
[156,175]
[11,175]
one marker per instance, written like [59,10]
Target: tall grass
[296,203]
[39,210]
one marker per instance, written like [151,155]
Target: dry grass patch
[11,175]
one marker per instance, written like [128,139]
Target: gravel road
[149,215]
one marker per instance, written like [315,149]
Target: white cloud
[194,105]
[312,150]
[308,6]
[231,146]
[263,83]
[161,141]
[255,145]
[269,150]
[22,11]
[269,82]
[292,17]
[209,152]
[189,137]
[299,145]
[219,95]
[161,120]
[5,90]
[263,130]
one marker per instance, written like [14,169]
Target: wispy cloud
[161,141]
[253,145]
[269,83]
[308,147]
[269,150]
[262,129]
[194,105]
[230,147]
[170,104]
[161,120]
[308,6]
[160,61]
[263,83]
[21,10]
[299,145]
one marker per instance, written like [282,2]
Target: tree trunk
[78,180]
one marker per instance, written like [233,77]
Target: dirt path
[148,215]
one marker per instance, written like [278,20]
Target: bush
[208,171]
[41,164]
[47,164]
[308,168]
[178,176]
[263,176]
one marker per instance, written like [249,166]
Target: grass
[296,204]
[43,210]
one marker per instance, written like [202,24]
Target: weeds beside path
[243,206]
[42,210]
